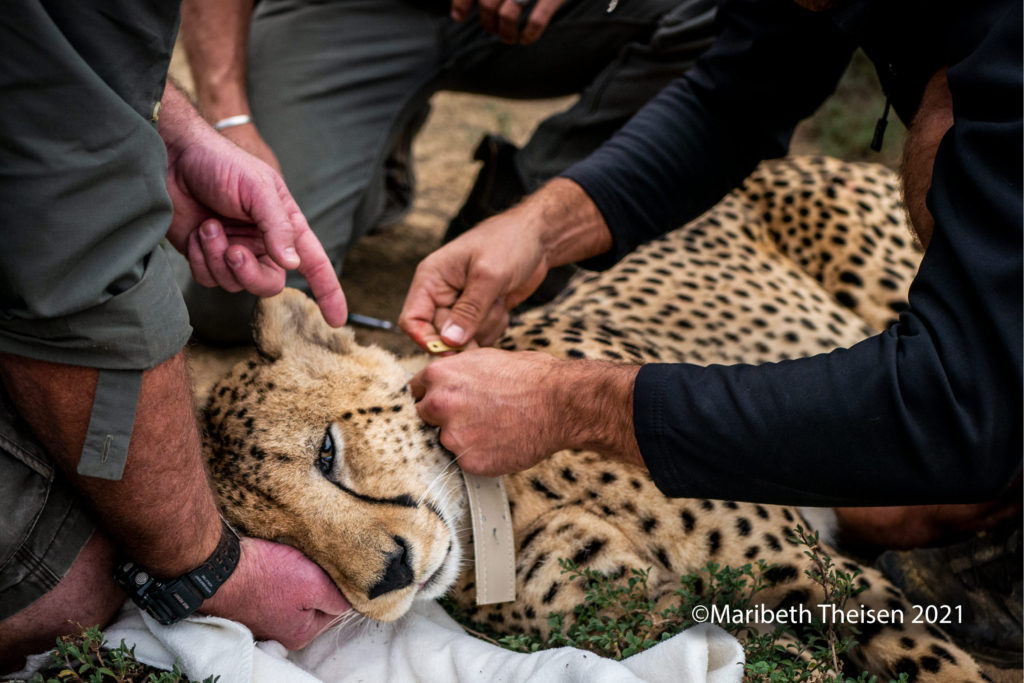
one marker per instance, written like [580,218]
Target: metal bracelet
[232,121]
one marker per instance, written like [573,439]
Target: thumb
[470,309]
[332,603]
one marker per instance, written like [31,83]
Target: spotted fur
[808,255]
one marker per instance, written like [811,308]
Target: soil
[377,273]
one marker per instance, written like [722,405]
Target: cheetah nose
[398,572]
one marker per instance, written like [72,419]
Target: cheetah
[315,440]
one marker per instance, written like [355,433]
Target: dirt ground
[377,273]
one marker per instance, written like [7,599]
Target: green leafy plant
[617,618]
[85,658]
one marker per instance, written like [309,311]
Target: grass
[616,619]
[85,658]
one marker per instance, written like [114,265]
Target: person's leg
[55,571]
[86,596]
[615,61]
[638,72]
[333,86]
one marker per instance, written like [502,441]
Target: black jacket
[928,411]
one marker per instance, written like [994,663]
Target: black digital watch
[171,601]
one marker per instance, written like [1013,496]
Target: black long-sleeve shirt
[929,410]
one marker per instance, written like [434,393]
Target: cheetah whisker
[435,481]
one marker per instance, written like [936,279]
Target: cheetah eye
[325,463]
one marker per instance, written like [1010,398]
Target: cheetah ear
[292,318]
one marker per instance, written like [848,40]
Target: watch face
[177,599]
[166,602]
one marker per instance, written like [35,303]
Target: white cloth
[425,645]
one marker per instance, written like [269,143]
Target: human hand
[248,137]
[505,411]
[498,411]
[465,289]
[279,594]
[501,17]
[234,218]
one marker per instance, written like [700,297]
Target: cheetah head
[316,442]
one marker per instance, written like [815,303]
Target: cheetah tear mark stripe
[403,500]
[493,544]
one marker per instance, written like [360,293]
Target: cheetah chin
[316,442]
[316,439]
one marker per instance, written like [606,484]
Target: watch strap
[210,575]
[172,600]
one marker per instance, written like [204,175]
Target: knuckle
[487,274]
[426,408]
[440,404]
[509,11]
[451,439]
[468,308]
[428,375]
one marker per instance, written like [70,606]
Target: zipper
[883,121]
[880,125]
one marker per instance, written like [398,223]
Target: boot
[983,575]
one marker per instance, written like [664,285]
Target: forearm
[162,511]
[215,34]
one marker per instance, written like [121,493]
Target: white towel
[425,645]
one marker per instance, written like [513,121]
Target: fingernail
[291,255]
[235,259]
[454,334]
[209,231]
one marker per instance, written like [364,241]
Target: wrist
[234,121]
[567,223]
[595,400]
[215,104]
[236,586]
[180,123]
[171,600]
